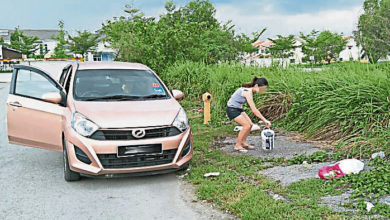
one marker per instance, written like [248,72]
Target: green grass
[345,102]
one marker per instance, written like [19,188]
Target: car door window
[63,75]
[67,83]
[33,84]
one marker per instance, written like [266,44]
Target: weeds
[347,102]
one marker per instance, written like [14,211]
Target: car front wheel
[69,175]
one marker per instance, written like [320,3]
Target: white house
[103,53]
[297,56]
[351,52]
[262,57]
[46,44]
[45,38]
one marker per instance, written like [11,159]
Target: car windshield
[113,84]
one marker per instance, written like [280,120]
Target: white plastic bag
[255,127]
[349,166]
[211,174]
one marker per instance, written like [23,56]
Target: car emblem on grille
[138,133]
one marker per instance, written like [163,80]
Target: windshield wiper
[114,97]
[153,96]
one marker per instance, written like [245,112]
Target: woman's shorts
[232,113]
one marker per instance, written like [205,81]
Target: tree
[310,46]
[25,44]
[329,45]
[323,46]
[190,32]
[83,43]
[373,32]
[283,47]
[60,50]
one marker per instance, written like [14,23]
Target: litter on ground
[379,154]
[369,206]
[340,169]
[211,174]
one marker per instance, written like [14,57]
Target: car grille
[111,161]
[126,134]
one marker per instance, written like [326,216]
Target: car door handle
[15,104]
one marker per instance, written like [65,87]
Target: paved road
[5,77]
[32,187]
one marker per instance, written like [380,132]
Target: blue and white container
[268,139]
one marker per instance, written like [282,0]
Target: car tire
[69,175]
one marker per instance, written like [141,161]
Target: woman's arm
[249,98]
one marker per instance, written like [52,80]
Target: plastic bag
[340,169]
[255,127]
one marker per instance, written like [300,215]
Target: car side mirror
[52,97]
[177,94]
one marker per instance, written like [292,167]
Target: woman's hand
[267,123]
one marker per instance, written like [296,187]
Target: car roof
[111,65]
[54,68]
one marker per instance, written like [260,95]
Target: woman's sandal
[248,147]
[240,150]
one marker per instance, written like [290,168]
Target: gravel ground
[385,200]
[284,147]
[336,203]
[287,175]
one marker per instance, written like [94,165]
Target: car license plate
[133,150]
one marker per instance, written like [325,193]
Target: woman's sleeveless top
[236,100]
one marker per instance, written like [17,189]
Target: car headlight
[83,125]
[181,121]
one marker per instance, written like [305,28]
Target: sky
[282,17]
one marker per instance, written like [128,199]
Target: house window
[46,50]
[97,57]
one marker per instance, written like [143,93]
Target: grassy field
[346,103]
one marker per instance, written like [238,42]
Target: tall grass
[347,101]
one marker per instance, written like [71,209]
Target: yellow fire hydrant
[206,107]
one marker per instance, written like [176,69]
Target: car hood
[128,114]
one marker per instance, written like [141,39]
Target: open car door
[32,119]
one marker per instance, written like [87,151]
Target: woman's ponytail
[256,81]
[251,84]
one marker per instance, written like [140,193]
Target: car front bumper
[92,148]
